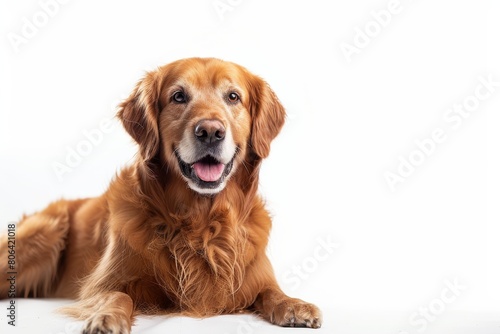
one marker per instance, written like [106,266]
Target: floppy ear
[268,117]
[139,116]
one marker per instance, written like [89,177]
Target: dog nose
[209,131]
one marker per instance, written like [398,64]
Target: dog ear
[268,116]
[139,116]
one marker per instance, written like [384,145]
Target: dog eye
[233,97]
[179,97]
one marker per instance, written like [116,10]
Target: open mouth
[208,172]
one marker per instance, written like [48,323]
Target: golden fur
[150,244]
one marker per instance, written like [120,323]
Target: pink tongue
[208,172]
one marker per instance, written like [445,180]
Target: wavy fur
[150,244]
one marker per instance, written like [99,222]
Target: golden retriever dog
[180,230]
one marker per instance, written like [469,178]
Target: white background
[349,122]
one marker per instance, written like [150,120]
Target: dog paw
[106,324]
[296,313]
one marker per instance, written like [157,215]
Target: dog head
[202,118]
